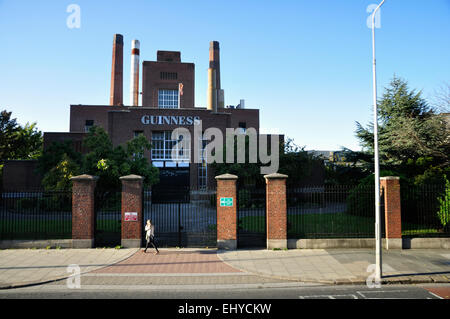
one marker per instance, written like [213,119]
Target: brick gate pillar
[83,211]
[392,211]
[132,213]
[276,211]
[226,211]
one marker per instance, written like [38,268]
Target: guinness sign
[170,120]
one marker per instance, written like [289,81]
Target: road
[299,291]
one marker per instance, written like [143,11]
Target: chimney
[116,94]
[214,60]
[212,91]
[134,78]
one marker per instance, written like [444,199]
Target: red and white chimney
[134,78]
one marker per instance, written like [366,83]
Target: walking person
[150,236]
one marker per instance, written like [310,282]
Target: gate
[107,230]
[251,214]
[181,218]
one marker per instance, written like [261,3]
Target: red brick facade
[276,221]
[121,123]
[132,203]
[226,216]
[83,214]
[153,79]
[392,208]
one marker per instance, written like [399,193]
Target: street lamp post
[378,269]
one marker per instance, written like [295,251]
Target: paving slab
[171,261]
[22,267]
[336,266]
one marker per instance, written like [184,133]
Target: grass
[49,229]
[331,225]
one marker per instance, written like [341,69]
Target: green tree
[444,206]
[294,161]
[60,162]
[58,177]
[16,141]
[413,139]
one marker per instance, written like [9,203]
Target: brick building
[168,102]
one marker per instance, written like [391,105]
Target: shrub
[444,207]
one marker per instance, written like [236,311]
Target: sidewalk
[23,267]
[343,266]
[209,268]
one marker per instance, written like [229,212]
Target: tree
[58,177]
[294,161]
[413,139]
[16,141]
[60,162]
[109,163]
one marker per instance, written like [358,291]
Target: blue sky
[305,64]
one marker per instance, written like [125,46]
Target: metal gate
[251,211]
[182,218]
[107,230]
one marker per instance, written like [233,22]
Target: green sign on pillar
[226,202]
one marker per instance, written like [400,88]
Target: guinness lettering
[170,120]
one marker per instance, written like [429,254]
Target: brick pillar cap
[276,176]
[390,178]
[227,176]
[131,177]
[84,177]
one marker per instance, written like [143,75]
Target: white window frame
[162,145]
[168,99]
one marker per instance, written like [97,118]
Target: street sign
[226,202]
[131,217]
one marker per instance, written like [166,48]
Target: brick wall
[392,208]
[276,221]
[83,213]
[132,203]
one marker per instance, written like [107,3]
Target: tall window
[202,167]
[162,145]
[168,99]
[88,124]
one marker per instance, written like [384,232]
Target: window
[168,75]
[136,133]
[242,127]
[202,167]
[162,145]
[88,125]
[168,99]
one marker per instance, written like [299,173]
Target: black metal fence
[337,211]
[108,216]
[425,211]
[35,215]
[182,219]
[251,215]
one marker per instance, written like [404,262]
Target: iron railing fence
[425,212]
[182,218]
[335,211]
[108,218]
[35,215]
[251,214]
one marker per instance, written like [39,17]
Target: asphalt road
[301,292]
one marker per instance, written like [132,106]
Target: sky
[307,65]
